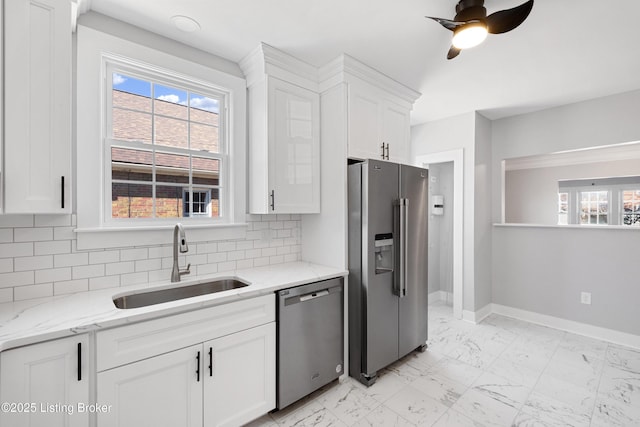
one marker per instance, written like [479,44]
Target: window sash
[192,87]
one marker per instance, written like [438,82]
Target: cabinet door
[42,376]
[365,141]
[294,148]
[37,97]
[165,390]
[240,382]
[395,131]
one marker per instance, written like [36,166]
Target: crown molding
[267,60]
[345,66]
[567,158]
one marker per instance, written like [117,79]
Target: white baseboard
[477,316]
[440,296]
[579,328]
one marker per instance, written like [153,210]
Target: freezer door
[414,185]
[380,195]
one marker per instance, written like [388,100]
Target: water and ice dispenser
[384,253]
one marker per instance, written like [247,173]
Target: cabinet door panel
[46,374]
[38,99]
[294,148]
[160,391]
[364,122]
[395,131]
[243,382]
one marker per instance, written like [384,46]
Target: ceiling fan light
[469,35]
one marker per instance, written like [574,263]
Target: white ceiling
[566,51]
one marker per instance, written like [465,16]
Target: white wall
[450,134]
[441,229]
[543,269]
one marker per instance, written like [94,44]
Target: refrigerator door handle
[402,268]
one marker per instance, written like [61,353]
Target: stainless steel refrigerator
[388,216]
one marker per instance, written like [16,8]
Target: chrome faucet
[182,245]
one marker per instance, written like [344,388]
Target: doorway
[447,263]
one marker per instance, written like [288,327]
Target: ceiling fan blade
[447,23]
[453,52]
[508,19]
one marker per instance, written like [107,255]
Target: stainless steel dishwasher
[310,338]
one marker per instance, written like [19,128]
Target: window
[631,207]
[594,207]
[600,201]
[164,146]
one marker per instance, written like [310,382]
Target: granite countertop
[32,321]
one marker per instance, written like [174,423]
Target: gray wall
[531,195]
[450,134]
[441,230]
[544,269]
[482,218]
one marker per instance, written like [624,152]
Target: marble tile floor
[501,372]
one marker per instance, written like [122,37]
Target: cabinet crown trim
[344,65]
[267,60]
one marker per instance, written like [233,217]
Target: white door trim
[457,157]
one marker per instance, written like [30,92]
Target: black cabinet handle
[273,200]
[198,367]
[210,361]
[62,190]
[387,151]
[79,361]
[382,146]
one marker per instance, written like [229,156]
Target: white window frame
[194,190]
[613,185]
[92,230]
[168,78]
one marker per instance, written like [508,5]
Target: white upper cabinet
[37,114]
[284,133]
[378,110]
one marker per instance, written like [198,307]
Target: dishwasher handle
[314,295]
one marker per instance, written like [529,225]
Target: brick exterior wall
[134,200]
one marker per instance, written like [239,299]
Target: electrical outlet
[585,298]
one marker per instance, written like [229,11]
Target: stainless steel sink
[171,294]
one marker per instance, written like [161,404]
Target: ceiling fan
[471,24]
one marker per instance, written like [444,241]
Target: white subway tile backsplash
[53,220]
[148,264]
[33,291]
[6,235]
[103,257]
[39,256]
[53,275]
[9,280]
[6,265]
[33,263]
[52,247]
[70,287]
[64,233]
[6,295]
[68,260]
[134,278]
[104,282]
[87,271]
[32,234]
[134,254]
[120,268]
[12,221]
[12,250]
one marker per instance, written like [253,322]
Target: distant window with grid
[165,146]
[594,207]
[631,207]
[563,208]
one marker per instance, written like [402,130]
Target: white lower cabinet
[241,385]
[159,391]
[210,367]
[46,384]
